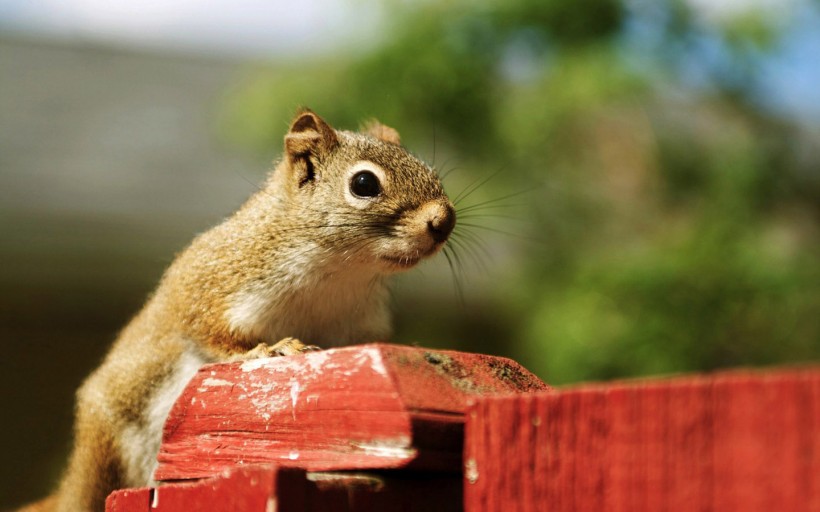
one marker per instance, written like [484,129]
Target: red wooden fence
[736,441]
[381,427]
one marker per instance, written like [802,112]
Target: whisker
[444,174]
[467,192]
[494,201]
[470,238]
[455,272]
[499,231]
[486,216]
[476,248]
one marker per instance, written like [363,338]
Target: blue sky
[793,74]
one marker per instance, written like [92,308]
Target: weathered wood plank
[255,489]
[735,441]
[129,500]
[370,406]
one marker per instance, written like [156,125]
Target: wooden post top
[365,407]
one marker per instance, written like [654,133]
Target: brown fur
[304,257]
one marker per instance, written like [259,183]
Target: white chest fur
[325,309]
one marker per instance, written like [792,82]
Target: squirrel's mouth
[407,261]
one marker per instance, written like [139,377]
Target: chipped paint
[295,388]
[376,361]
[391,448]
[317,361]
[255,364]
[471,470]
[216,382]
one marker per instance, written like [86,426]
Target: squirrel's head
[361,195]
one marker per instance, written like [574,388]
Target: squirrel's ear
[381,132]
[309,134]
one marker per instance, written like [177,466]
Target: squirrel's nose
[442,222]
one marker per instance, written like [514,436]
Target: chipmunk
[305,258]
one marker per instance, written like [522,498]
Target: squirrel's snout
[441,222]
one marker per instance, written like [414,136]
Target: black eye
[365,184]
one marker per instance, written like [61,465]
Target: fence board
[734,441]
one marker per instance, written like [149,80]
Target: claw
[291,346]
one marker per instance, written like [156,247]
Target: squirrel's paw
[284,347]
[290,347]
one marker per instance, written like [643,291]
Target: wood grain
[736,441]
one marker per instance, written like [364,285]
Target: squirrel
[307,257]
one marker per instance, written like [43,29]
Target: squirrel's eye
[365,184]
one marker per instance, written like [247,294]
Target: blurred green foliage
[668,223]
